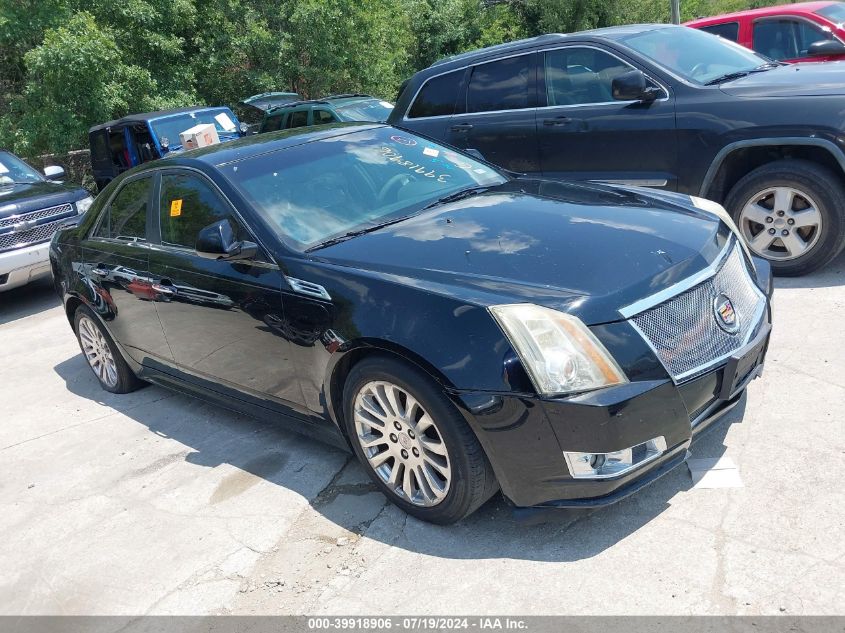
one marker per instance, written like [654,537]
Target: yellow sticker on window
[176,208]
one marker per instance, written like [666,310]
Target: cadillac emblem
[726,316]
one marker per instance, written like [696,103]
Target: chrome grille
[40,233]
[683,330]
[40,214]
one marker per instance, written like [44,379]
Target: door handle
[560,120]
[461,127]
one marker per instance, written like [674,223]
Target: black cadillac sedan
[460,330]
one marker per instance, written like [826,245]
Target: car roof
[258,144]
[338,100]
[144,117]
[610,33]
[798,8]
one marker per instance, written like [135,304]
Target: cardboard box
[200,135]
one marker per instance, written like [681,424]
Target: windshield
[13,169]
[170,127]
[373,110]
[313,192]
[833,12]
[694,55]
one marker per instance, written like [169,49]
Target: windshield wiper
[350,234]
[742,73]
[458,195]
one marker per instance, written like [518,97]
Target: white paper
[225,122]
[386,104]
[719,472]
[3,169]
[430,151]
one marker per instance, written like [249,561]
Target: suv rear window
[500,85]
[438,96]
[728,30]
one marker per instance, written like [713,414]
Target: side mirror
[217,241]
[632,86]
[823,48]
[54,172]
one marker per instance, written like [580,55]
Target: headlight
[557,350]
[719,211]
[83,205]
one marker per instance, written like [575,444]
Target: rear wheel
[413,443]
[101,353]
[792,213]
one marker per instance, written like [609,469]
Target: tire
[94,341]
[470,480]
[806,191]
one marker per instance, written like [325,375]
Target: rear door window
[505,84]
[438,96]
[728,30]
[125,218]
[299,118]
[272,123]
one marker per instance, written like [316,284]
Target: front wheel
[413,443]
[792,213]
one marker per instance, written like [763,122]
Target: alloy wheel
[97,352]
[781,223]
[402,443]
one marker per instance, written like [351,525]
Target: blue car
[138,138]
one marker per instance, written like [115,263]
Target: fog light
[605,465]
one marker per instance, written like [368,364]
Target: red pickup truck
[803,32]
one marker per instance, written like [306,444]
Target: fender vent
[308,288]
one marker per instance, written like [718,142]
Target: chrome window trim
[657,298]
[405,116]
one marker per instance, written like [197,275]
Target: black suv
[659,106]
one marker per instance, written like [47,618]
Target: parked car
[331,109]
[120,145]
[252,109]
[662,106]
[32,207]
[460,330]
[802,32]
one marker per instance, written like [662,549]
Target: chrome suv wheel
[792,213]
[781,223]
[412,441]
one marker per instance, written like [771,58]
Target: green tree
[76,76]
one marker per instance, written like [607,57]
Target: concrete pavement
[156,503]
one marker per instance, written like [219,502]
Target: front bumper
[525,437]
[20,266]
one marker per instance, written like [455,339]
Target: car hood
[17,199]
[587,249]
[794,80]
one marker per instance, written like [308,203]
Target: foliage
[68,64]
